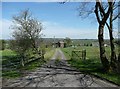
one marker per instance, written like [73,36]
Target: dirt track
[57,74]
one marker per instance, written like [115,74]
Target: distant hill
[74,41]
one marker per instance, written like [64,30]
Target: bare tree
[102,20]
[97,8]
[113,16]
[104,11]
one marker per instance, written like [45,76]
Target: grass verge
[9,59]
[49,53]
[92,65]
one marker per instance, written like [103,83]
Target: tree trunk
[118,60]
[113,62]
[103,57]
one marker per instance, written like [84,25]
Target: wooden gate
[79,54]
[35,56]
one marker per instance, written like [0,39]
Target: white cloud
[59,31]
[0,29]
[5,31]
[52,29]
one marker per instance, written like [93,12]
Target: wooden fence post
[22,62]
[84,54]
[72,55]
[42,54]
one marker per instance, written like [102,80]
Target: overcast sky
[59,20]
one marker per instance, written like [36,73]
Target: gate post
[84,54]
[42,54]
[72,55]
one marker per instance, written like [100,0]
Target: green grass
[92,52]
[10,74]
[92,64]
[33,65]
[12,71]
[36,64]
[8,57]
[49,53]
[57,60]
[7,52]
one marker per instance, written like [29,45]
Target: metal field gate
[78,54]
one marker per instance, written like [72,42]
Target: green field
[92,64]
[92,52]
[11,63]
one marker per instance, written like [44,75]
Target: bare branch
[96,12]
[116,17]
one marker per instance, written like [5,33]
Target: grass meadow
[11,63]
[92,64]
